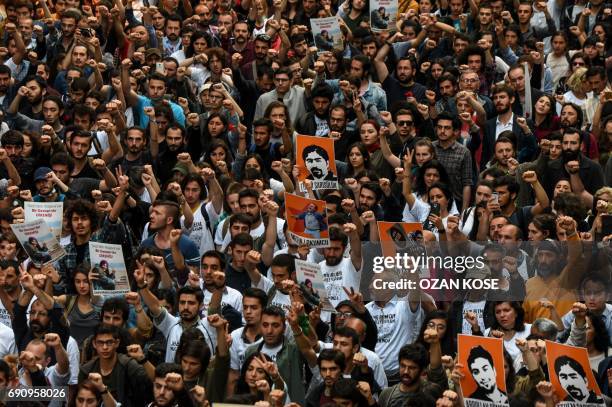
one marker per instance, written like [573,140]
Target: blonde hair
[575,81]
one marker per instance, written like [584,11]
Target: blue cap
[41,173]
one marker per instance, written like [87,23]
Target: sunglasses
[405,123]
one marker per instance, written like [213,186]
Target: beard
[570,155]
[36,327]
[333,261]
[317,172]
[188,316]
[546,270]
[503,110]
[404,79]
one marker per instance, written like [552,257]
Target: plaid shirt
[114,233]
[457,161]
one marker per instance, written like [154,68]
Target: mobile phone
[159,67]
[495,198]
[434,209]
[86,32]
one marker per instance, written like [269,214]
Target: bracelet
[105,390]
[143,360]
[295,335]
[138,311]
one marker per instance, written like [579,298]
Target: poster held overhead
[316,160]
[51,212]
[306,221]
[571,376]
[484,382]
[326,33]
[108,269]
[38,242]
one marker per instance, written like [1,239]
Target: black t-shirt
[87,172]
[238,280]
[81,250]
[145,158]
[84,186]
[397,93]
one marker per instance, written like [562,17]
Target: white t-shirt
[170,326]
[230,297]
[272,352]
[5,317]
[104,145]
[339,276]
[7,341]
[510,344]
[224,241]
[397,326]
[279,299]
[239,347]
[420,210]
[478,309]
[199,232]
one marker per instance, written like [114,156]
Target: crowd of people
[170,127]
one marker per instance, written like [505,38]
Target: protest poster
[316,161]
[571,376]
[383,15]
[51,212]
[484,384]
[306,221]
[326,33]
[309,274]
[108,268]
[39,243]
[405,240]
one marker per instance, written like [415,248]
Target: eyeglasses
[578,63]
[405,123]
[107,343]
[467,80]
[344,314]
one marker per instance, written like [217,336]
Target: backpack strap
[71,300]
[206,218]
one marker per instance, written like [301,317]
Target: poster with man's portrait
[38,242]
[306,221]
[484,384]
[571,376]
[406,240]
[317,163]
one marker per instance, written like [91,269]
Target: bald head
[358,325]
[510,234]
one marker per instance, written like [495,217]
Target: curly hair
[82,207]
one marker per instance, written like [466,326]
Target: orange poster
[484,384]
[306,221]
[571,376]
[316,160]
[404,240]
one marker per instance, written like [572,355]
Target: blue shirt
[188,249]
[143,101]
